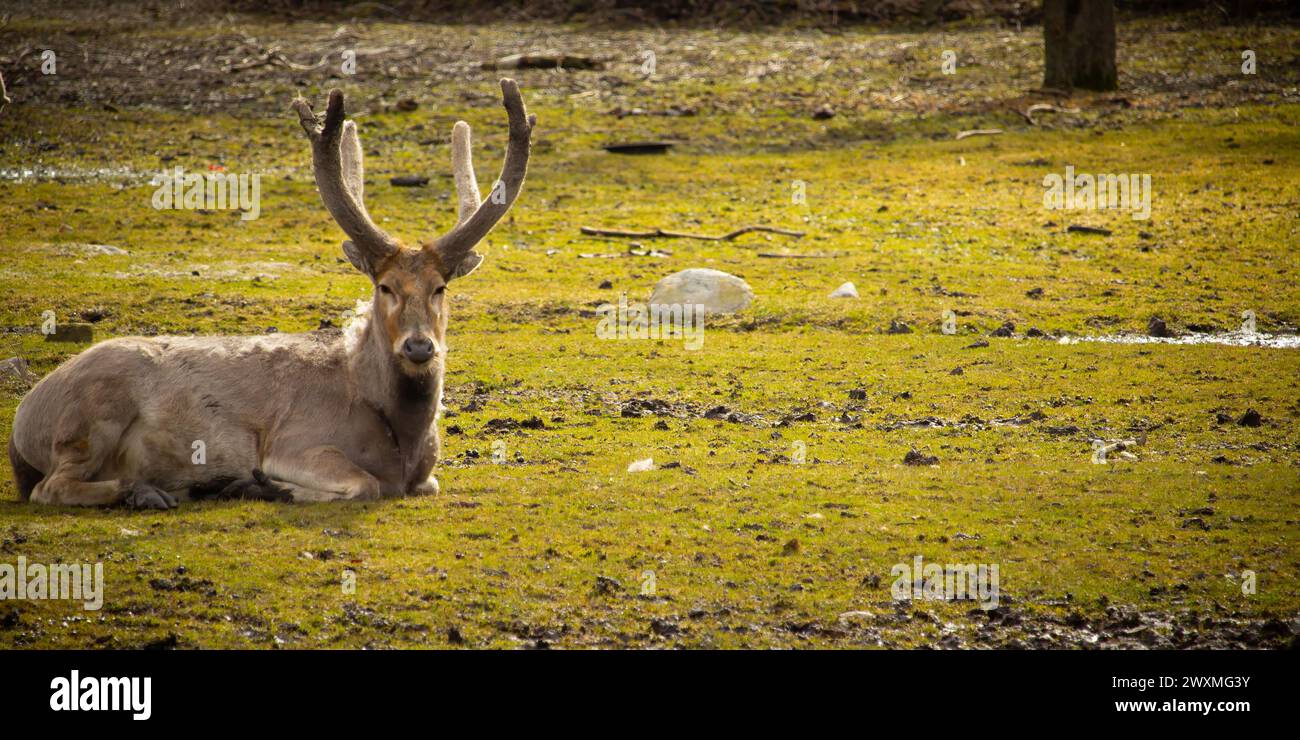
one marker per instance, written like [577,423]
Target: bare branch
[1044,108]
[978,132]
[664,234]
[4,96]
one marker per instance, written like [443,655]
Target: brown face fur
[410,304]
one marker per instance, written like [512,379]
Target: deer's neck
[408,404]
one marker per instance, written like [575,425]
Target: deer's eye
[384,289]
[441,289]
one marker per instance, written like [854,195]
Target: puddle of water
[40,173]
[1227,338]
[120,175]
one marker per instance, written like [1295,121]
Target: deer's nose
[418,349]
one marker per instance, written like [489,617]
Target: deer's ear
[359,258]
[467,265]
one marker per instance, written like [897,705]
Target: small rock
[847,290]
[1006,330]
[406,105]
[664,627]
[605,285]
[1060,431]
[94,314]
[641,466]
[858,394]
[1156,328]
[606,585]
[790,548]
[17,367]
[1034,293]
[1250,419]
[823,113]
[915,457]
[898,327]
[505,425]
[409,181]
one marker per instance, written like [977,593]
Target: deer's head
[410,302]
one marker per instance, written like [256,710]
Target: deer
[314,417]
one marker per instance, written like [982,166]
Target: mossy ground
[746,548]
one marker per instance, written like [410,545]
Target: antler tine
[462,167]
[353,168]
[336,160]
[456,244]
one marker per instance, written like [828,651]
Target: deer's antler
[336,159]
[477,217]
[462,167]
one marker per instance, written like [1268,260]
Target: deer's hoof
[256,488]
[144,496]
[429,487]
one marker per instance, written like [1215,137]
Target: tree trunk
[1238,9]
[1056,47]
[1079,44]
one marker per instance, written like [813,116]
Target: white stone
[99,248]
[847,290]
[641,466]
[17,367]
[717,291]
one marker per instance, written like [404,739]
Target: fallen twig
[778,255]
[274,56]
[4,96]
[545,60]
[1044,108]
[978,132]
[1078,229]
[664,234]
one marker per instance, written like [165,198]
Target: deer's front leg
[322,474]
[423,481]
